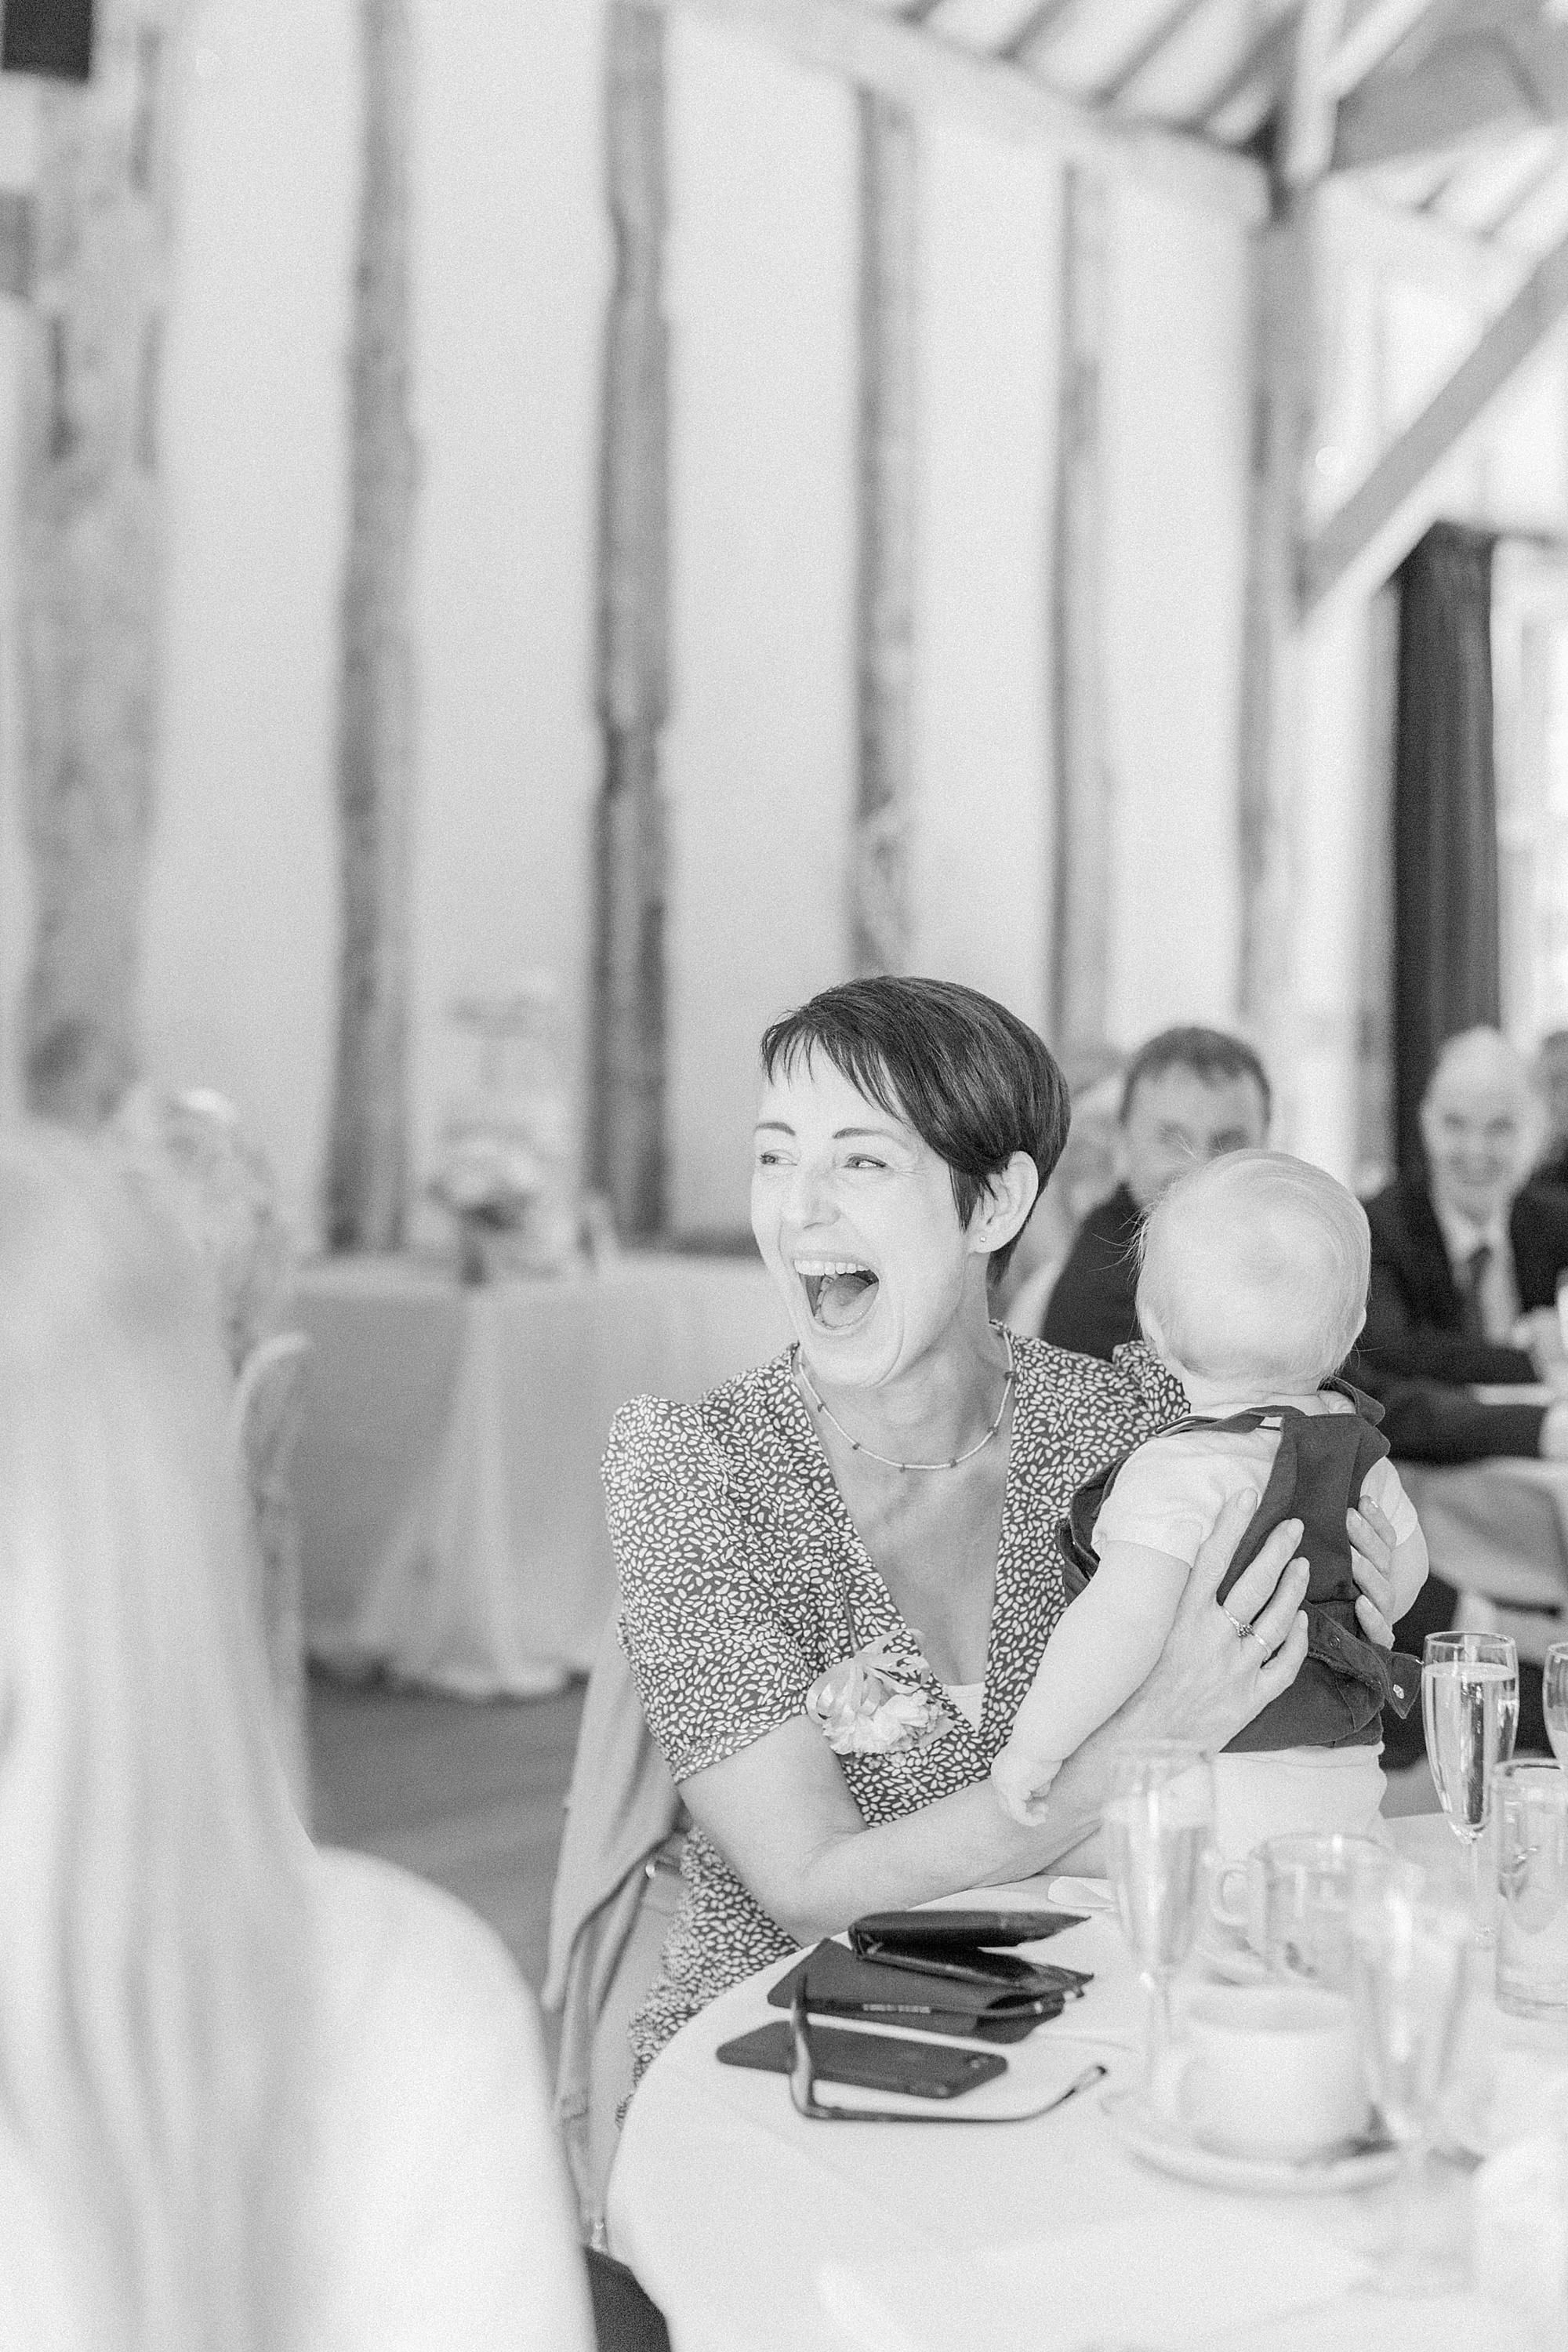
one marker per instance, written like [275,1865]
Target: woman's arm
[782,1815]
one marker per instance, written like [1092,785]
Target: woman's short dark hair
[972,1079]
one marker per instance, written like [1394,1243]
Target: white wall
[511,264]
[241,925]
[981,870]
[1175,437]
[509,267]
[759,754]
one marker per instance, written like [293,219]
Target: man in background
[1466,1253]
[1550,1076]
[1188,1095]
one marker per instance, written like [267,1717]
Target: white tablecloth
[729,2206]
[452,1523]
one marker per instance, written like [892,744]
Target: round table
[752,2229]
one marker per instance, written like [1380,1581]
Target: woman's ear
[1002,1209]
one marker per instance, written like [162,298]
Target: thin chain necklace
[804,1377]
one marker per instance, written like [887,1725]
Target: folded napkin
[1164,2283]
[1082,1894]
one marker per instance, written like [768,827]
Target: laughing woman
[837,1574]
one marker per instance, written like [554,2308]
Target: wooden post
[1079,948]
[91,553]
[628,1151]
[1270,633]
[368,1151]
[885,613]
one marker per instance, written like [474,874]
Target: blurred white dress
[440,2220]
[444,2217]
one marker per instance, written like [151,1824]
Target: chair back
[616,1888]
[265,1416]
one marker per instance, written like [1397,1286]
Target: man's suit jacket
[1094,1306]
[1414,1354]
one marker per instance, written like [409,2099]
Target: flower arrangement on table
[489,1182]
[880,1702]
[501,1175]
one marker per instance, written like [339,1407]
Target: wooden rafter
[1080,947]
[1040,20]
[921,72]
[627,1140]
[884,602]
[1155,41]
[1469,86]
[1378,523]
[1259,66]
[1375,33]
[1311,103]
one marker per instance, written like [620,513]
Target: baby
[1252,1290]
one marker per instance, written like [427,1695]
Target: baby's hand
[1023,1784]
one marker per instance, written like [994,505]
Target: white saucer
[1169,2148]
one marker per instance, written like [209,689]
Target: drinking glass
[1157,1827]
[1469,1704]
[1555,1698]
[1308,1880]
[1408,1952]
[1532,1877]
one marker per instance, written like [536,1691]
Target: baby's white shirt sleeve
[1167,1497]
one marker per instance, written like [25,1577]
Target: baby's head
[1254,1271]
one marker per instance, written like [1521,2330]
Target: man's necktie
[1472,1315]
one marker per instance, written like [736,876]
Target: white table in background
[726,2204]
[452,1523]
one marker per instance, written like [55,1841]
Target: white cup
[1267,2071]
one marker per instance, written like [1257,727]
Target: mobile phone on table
[872,2062]
[934,1931]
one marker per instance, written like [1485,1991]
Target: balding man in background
[1550,1076]
[1466,1254]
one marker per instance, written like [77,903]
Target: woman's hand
[1371,1564]
[1210,1680]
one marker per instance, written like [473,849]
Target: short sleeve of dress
[1154,1396]
[714,1666]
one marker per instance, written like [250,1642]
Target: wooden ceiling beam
[1158,38]
[1469,86]
[1311,104]
[1374,34]
[1380,521]
[932,76]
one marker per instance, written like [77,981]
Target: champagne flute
[1408,1954]
[1469,1704]
[1157,1828]
[1555,1698]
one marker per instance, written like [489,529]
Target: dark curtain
[1445,969]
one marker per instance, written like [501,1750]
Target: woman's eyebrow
[887,1134]
[782,1126]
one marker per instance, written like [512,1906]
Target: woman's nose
[810,1195]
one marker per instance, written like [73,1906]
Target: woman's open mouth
[839,1291]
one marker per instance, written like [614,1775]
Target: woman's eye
[864,1159]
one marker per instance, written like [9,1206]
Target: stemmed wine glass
[1555,1696]
[1408,1954]
[1157,1827]
[1469,1701]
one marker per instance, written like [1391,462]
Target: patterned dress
[743,1579]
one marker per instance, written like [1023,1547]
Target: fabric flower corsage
[876,1703]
